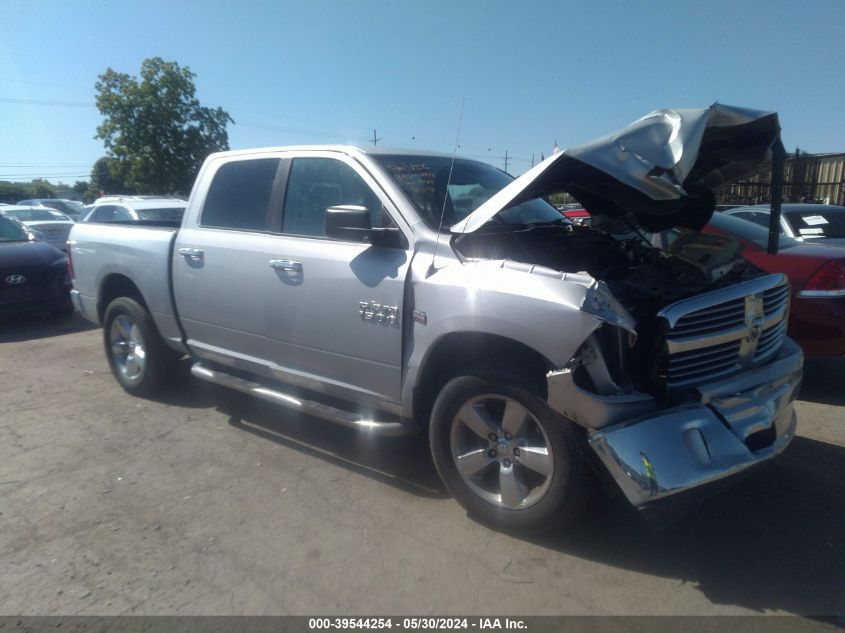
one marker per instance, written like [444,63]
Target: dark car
[33,274]
[820,223]
[816,272]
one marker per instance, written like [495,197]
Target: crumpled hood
[662,168]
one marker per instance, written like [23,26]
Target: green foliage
[103,180]
[155,131]
[11,192]
[560,199]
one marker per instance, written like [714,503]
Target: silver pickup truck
[400,292]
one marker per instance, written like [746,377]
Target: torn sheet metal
[662,168]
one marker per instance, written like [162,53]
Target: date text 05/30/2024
[410,624]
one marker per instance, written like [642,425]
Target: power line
[303,132]
[43,83]
[39,176]
[48,102]
[24,165]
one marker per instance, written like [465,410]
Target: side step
[309,407]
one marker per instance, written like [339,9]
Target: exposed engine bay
[642,277]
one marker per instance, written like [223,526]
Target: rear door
[335,308]
[220,269]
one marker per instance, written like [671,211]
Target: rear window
[11,231]
[157,215]
[39,215]
[239,195]
[826,221]
[748,231]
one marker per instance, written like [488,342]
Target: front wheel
[138,357]
[505,455]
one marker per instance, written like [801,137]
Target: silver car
[50,225]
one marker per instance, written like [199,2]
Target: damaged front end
[723,402]
[690,377]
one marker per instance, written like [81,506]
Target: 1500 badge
[372,311]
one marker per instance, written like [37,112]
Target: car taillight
[827,281]
[70,262]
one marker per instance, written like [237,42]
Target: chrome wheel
[501,451]
[127,348]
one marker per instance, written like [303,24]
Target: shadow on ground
[823,379]
[773,541]
[36,324]
[403,462]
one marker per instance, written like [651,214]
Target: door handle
[286,264]
[191,254]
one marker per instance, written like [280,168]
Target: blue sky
[314,71]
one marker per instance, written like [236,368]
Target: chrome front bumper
[737,424]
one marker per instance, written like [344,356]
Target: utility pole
[375,138]
[506,161]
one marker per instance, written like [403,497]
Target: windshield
[823,221]
[38,215]
[11,231]
[423,179]
[748,231]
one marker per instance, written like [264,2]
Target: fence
[806,178]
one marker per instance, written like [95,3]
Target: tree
[13,191]
[155,131]
[103,179]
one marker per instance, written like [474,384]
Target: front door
[334,308]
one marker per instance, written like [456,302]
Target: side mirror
[352,223]
[348,222]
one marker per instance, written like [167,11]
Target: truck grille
[723,332]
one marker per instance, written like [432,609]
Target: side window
[104,213]
[314,185]
[239,195]
[122,214]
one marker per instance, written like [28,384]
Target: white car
[136,210]
[51,225]
[71,208]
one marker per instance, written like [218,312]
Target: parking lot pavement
[195,504]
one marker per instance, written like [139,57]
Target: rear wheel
[139,359]
[505,455]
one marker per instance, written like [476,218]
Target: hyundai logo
[15,280]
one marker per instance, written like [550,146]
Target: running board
[309,407]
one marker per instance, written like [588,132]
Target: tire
[129,329]
[531,477]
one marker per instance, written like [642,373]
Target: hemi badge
[419,316]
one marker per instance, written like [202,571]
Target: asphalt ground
[197,504]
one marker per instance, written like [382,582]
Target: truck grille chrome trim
[722,332]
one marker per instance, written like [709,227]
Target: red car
[817,275]
[578,216]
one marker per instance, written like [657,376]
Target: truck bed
[106,254]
